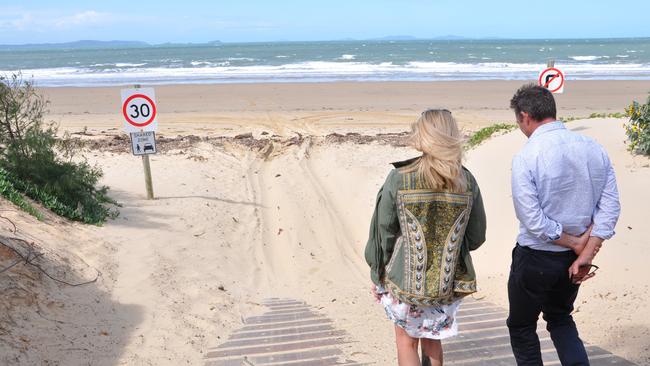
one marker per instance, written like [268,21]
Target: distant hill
[395,38]
[79,44]
[449,37]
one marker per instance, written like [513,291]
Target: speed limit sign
[139,109]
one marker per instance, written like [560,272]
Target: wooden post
[147,176]
[148,182]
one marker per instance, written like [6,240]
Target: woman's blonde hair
[437,136]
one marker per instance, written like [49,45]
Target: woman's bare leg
[407,348]
[432,348]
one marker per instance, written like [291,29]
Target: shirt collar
[400,164]
[548,127]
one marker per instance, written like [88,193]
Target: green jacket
[420,240]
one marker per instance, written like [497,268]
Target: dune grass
[486,132]
[595,115]
[11,193]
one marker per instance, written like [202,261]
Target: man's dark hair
[538,102]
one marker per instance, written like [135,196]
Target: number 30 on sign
[139,109]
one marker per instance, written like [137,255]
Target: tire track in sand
[300,225]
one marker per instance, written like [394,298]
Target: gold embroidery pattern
[432,226]
[466,287]
[417,248]
[450,253]
[419,300]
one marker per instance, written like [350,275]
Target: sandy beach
[322,108]
[236,221]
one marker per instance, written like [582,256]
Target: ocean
[413,60]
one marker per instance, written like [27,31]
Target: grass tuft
[486,132]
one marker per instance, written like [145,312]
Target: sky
[47,21]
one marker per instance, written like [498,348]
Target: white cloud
[48,21]
[19,22]
[89,17]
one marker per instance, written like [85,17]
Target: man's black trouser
[539,283]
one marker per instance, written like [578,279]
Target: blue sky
[38,21]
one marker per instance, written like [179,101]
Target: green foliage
[595,115]
[485,133]
[39,164]
[637,128]
[8,191]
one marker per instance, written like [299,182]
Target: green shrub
[43,166]
[8,191]
[637,128]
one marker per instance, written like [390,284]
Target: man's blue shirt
[562,181]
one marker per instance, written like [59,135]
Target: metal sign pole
[550,63]
[147,169]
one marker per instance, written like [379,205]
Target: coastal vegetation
[485,133]
[37,163]
[637,128]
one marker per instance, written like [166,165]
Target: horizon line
[402,38]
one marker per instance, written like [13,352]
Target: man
[566,200]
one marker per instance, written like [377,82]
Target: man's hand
[582,240]
[575,243]
[579,271]
[583,262]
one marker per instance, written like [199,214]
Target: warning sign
[139,109]
[552,79]
[143,143]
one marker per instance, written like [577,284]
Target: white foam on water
[128,64]
[324,71]
[240,59]
[347,57]
[585,58]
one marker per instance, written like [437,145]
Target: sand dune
[233,225]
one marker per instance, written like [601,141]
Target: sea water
[412,60]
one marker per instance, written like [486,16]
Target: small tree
[40,164]
[637,128]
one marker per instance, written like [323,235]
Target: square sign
[139,109]
[143,143]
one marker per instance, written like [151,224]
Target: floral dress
[433,322]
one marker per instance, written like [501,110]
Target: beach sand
[322,108]
[236,221]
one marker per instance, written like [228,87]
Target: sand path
[231,227]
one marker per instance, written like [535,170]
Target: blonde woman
[428,217]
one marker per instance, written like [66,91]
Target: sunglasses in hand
[585,272]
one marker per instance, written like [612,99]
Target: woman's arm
[477,224]
[384,229]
